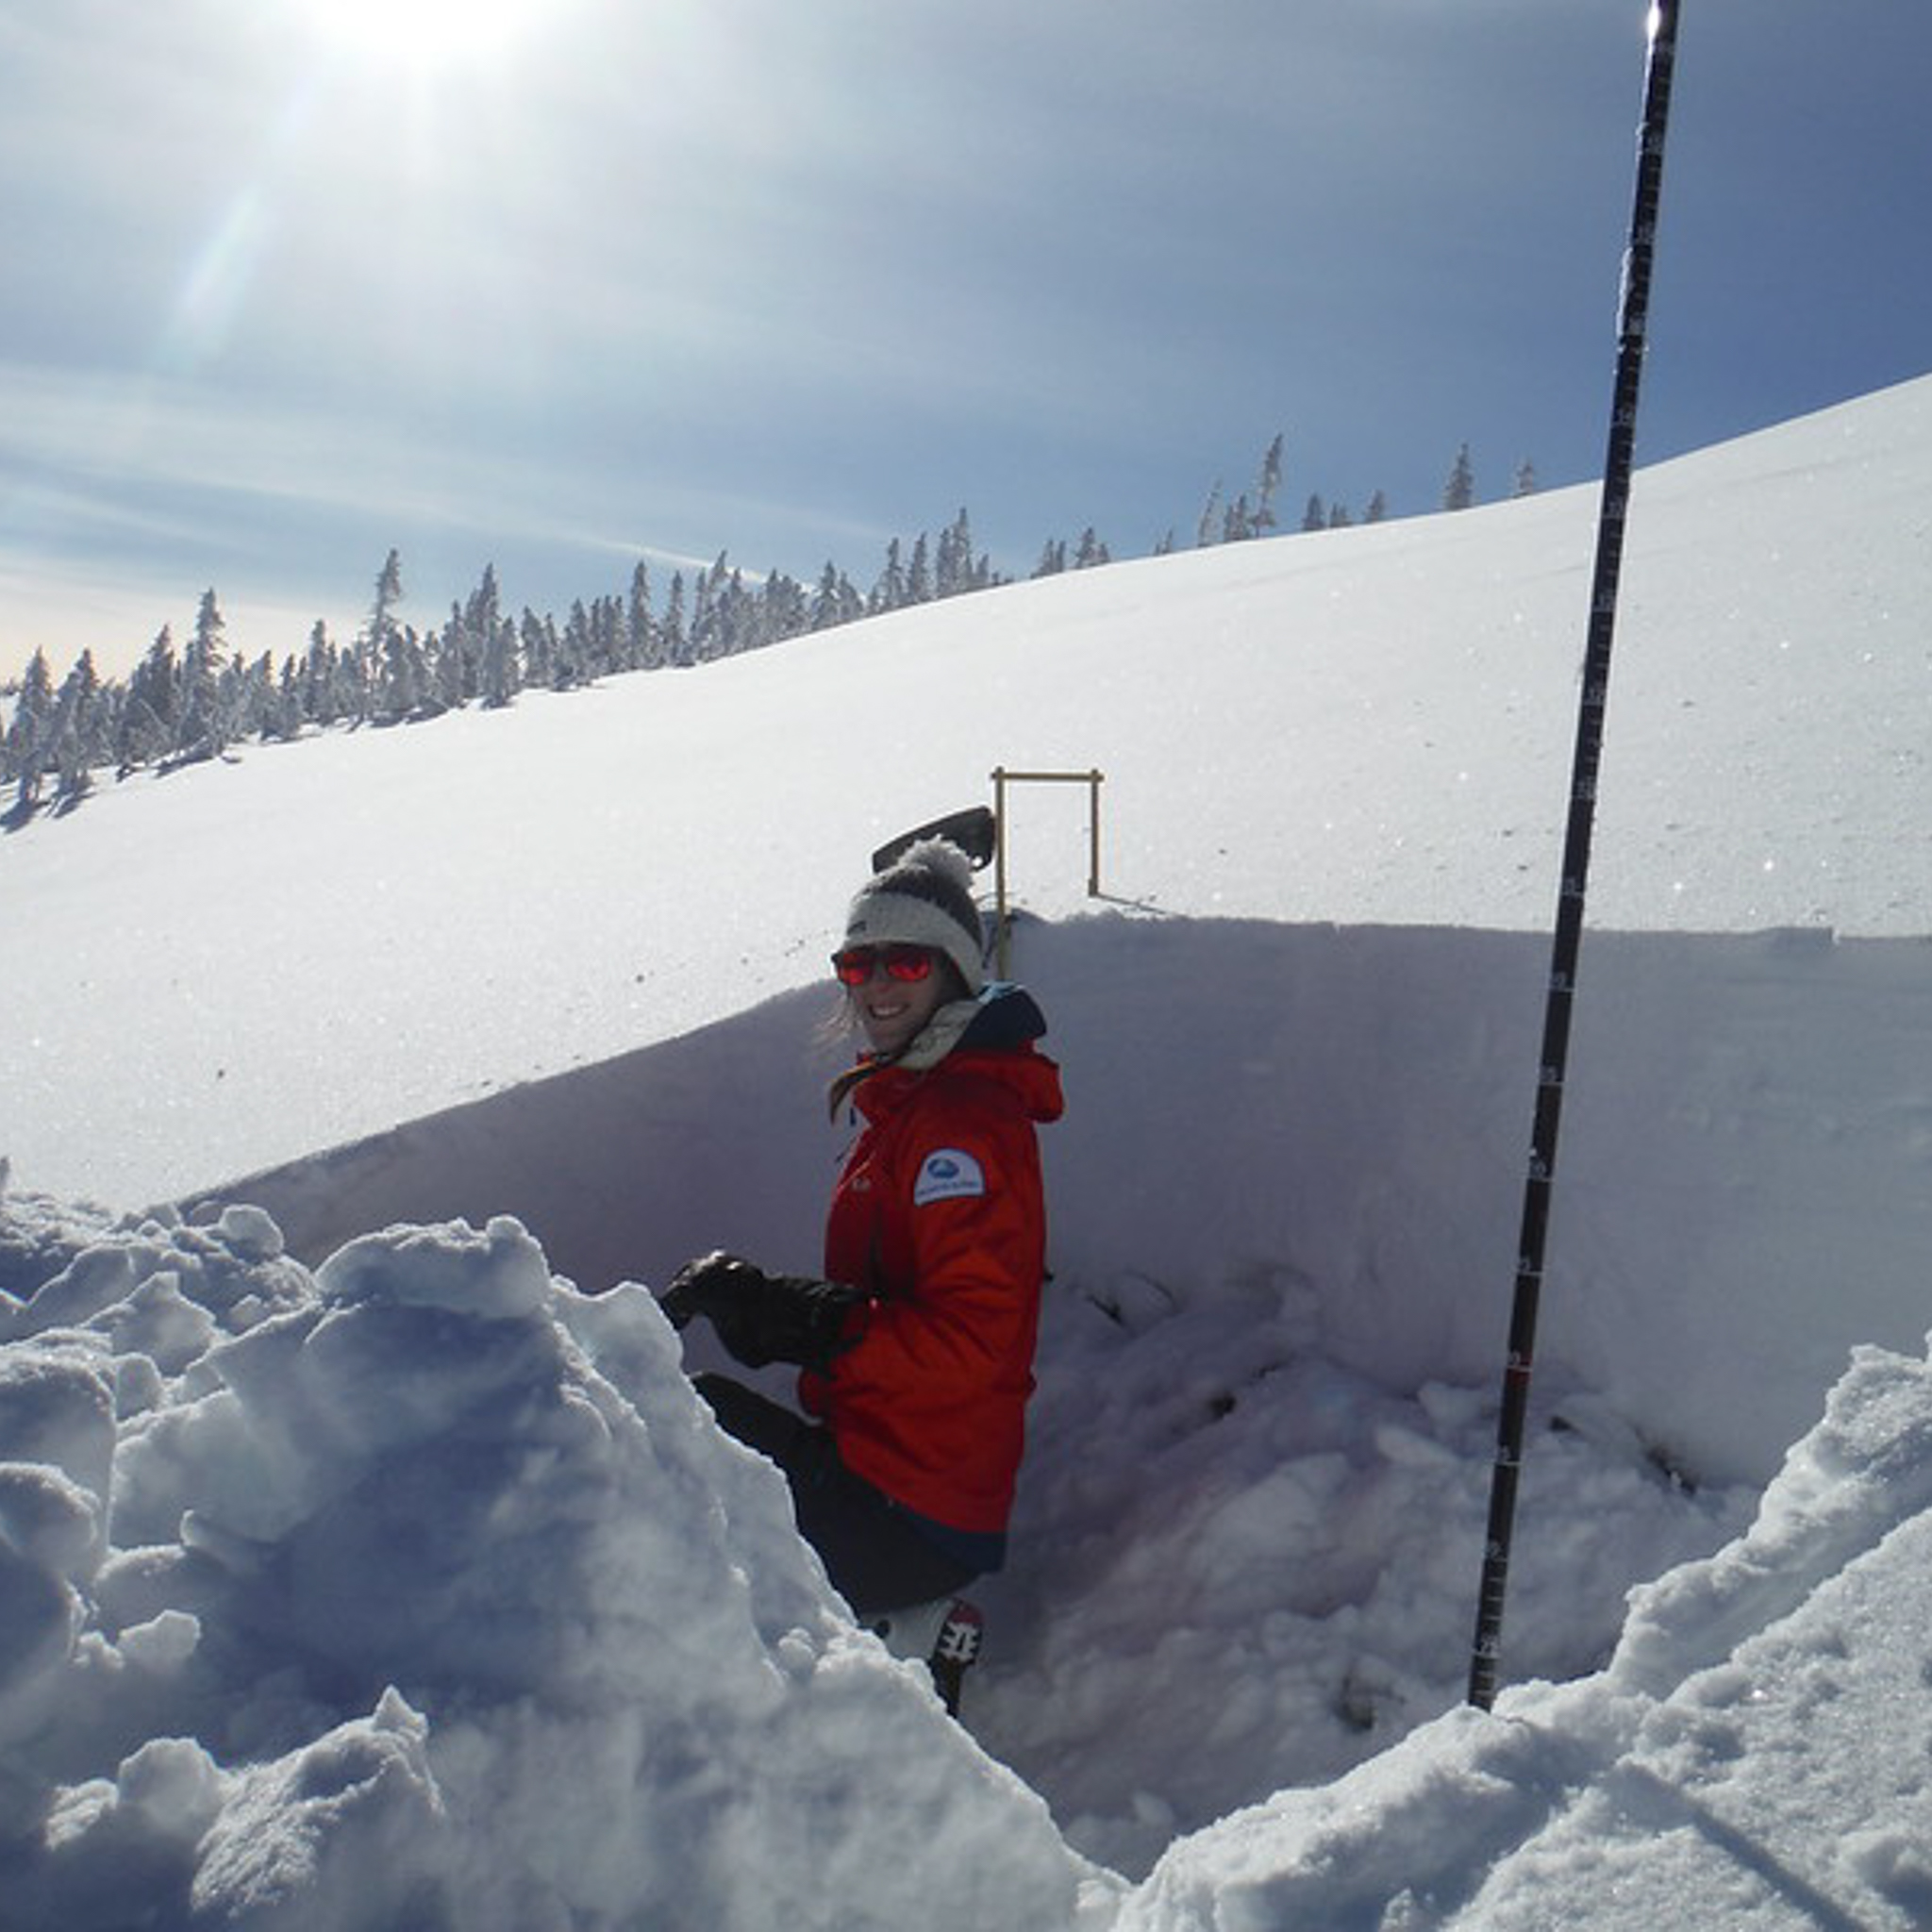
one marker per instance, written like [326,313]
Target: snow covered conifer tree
[734,620]
[537,637]
[450,655]
[204,727]
[784,609]
[393,686]
[676,645]
[1211,524]
[703,623]
[389,592]
[403,677]
[319,698]
[351,682]
[827,606]
[501,674]
[290,715]
[642,651]
[739,617]
[954,570]
[1459,492]
[919,574]
[77,745]
[1263,520]
[147,718]
[27,746]
[888,593]
[571,663]
[609,634]
[492,637]
[255,706]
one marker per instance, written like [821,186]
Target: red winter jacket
[939,1214]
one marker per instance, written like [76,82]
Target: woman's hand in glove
[762,1318]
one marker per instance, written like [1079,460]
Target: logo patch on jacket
[947,1175]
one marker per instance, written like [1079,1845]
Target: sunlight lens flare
[422,35]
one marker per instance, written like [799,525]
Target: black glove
[762,1317]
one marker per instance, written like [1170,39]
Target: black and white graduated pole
[1553,1070]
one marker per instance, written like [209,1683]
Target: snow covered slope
[561,964]
[233,967]
[1754,1754]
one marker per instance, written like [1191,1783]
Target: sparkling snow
[366,1561]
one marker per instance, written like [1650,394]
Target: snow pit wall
[1337,1110]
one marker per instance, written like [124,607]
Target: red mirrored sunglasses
[855,965]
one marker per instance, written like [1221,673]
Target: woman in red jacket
[917,1347]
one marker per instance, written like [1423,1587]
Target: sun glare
[423,34]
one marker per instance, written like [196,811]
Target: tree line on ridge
[187,705]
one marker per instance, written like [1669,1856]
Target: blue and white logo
[947,1174]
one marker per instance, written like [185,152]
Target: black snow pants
[872,1550]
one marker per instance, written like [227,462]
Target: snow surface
[364,1566]
[235,966]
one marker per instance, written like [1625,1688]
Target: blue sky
[666,277]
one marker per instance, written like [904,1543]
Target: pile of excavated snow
[423,1591]
[1756,1752]
[420,1589]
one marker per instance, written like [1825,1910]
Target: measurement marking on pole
[1633,322]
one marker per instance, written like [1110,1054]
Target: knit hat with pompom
[923,898]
